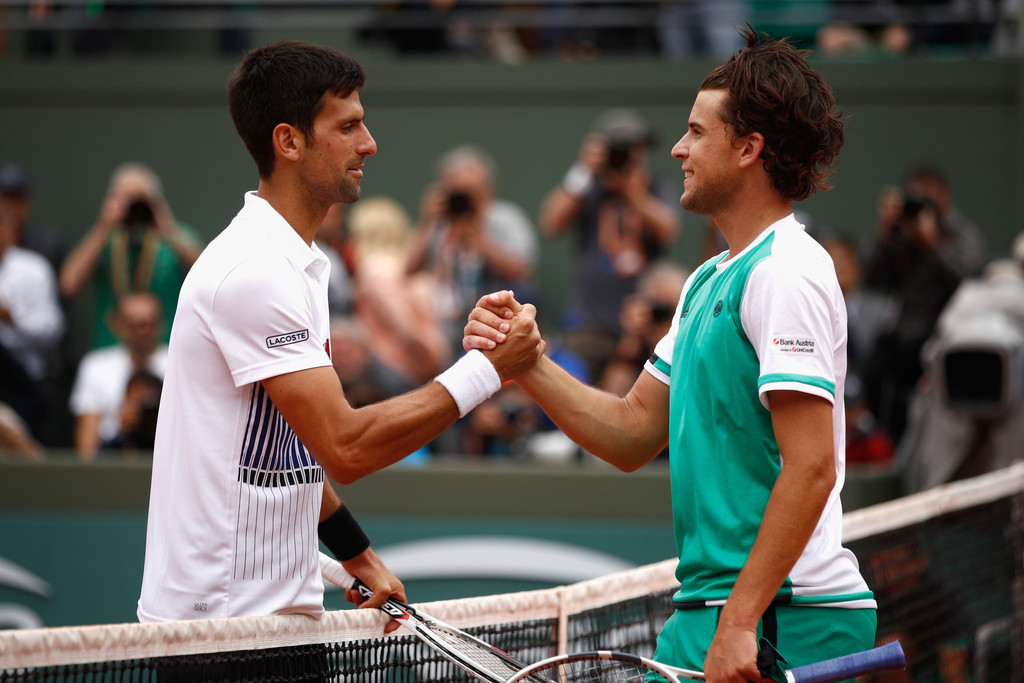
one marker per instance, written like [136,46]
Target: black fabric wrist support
[342,534]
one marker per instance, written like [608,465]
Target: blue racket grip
[884,658]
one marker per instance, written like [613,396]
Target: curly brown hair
[773,91]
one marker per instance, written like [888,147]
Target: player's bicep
[648,403]
[313,403]
[803,430]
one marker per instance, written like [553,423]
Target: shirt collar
[306,257]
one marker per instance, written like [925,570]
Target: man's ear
[750,152]
[289,142]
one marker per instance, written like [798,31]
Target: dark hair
[773,91]
[285,82]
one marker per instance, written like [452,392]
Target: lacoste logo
[287,338]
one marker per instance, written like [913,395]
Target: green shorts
[804,635]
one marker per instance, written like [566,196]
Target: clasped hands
[506,332]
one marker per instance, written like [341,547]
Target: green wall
[70,124]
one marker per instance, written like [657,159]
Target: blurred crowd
[935,384]
[511,32]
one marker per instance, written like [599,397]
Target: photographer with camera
[623,219]
[469,240]
[923,248]
[101,385]
[135,245]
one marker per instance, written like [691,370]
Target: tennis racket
[477,658]
[622,667]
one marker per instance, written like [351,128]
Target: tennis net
[946,566]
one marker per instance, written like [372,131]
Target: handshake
[506,332]
[502,342]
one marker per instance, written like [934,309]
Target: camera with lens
[458,204]
[139,214]
[914,204]
[661,312]
[620,153]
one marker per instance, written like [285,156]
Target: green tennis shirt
[771,318]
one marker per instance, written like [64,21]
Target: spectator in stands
[409,340]
[646,317]
[699,28]
[16,190]
[98,394]
[470,241]
[135,245]
[359,373]
[501,426]
[623,220]
[866,313]
[31,322]
[15,438]
[923,247]
[332,241]
[137,417]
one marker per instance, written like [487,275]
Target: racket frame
[883,658]
[423,626]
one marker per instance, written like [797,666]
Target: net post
[563,622]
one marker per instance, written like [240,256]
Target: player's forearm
[790,517]
[619,430]
[383,433]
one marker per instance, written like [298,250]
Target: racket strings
[487,658]
[596,671]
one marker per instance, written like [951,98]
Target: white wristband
[471,381]
[577,180]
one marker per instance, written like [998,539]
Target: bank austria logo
[287,338]
[19,578]
[804,345]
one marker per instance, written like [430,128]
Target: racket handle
[884,658]
[332,570]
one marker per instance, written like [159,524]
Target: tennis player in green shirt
[746,388]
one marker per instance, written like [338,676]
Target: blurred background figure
[501,426]
[690,29]
[396,308]
[360,374]
[16,441]
[622,220]
[99,391]
[135,245]
[923,247]
[333,241]
[136,426]
[16,190]
[967,413]
[469,240]
[867,314]
[646,318]
[31,323]
[48,242]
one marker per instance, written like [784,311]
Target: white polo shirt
[235,496]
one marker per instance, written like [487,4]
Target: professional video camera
[970,418]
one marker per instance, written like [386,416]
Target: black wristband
[342,534]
